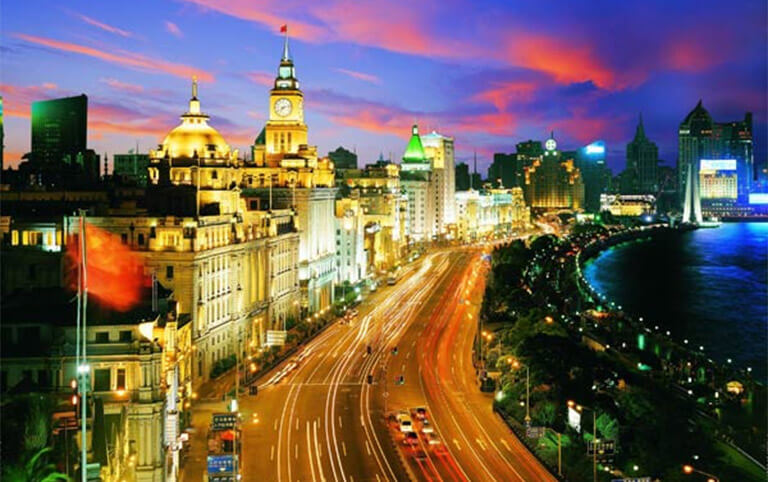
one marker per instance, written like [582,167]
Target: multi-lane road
[324,421]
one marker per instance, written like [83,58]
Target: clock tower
[285,130]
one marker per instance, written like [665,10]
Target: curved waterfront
[709,286]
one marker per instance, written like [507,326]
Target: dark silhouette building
[642,161]
[462,176]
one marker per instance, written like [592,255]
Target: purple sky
[490,73]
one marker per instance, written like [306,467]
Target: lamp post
[516,364]
[579,408]
[559,450]
[689,469]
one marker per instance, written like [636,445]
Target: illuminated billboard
[718,165]
[758,198]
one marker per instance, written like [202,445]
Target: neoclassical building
[286,172]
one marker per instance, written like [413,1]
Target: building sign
[535,432]
[718,165]
[595,148]
[574,419]
[633,479]
[605,448]
[758,198]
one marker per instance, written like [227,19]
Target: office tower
[439,150]
[642,160]
[590,160]
[553,182]
[462,176]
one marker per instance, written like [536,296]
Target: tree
[34,468]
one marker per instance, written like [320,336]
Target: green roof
[261,139]
[415,151]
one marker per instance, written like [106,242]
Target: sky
[488,73]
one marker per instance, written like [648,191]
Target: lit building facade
[439,150]
[590,160]
[416,180]
[131,168]
[286,173]
[553,183]
[628,204]
[491,213]
[351,256]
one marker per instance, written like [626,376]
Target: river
[709,286]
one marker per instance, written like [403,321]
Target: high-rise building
[699,137]
[643,160]
[131,168]
[351,256]
[462,176]
[59,129]
[552,182]
[343,159]
[590,160]
[415,178]
[503,171]
[439,151]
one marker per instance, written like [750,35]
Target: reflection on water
[707,285]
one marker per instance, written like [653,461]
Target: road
[323,421]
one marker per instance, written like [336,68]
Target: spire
[415,150]
[194,104]
[640,132]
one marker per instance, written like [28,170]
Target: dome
[194,136]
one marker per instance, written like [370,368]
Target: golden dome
[194,137]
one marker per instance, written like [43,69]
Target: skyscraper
[59,129]
[643,159]
[439,150]
[700,138]
[415,178]
[590,160]
[343,159]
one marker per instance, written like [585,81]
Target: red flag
[115,273]
[283,28]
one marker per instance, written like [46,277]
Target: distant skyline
[489,76]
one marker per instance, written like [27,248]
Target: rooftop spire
[194,87]
[640,132]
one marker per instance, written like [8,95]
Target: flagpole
[83,368]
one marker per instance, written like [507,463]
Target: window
[214,175]
[169,272]
[102,337]
[124,238]
[141,239]
[126,336]
[121,379]
[102,380]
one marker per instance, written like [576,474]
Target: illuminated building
[59,128]
[552,183]
[590,160]
[351,257]
[628,204]
[385,211]
[718,179]
[439,150]
[492,213]
[286,173]
[125,356]
[231,263]
[642,161]
[699,137]
[130,168]
[416,180]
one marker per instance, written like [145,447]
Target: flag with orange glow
[115,274]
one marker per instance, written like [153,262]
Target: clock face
[551,145]
[283,107]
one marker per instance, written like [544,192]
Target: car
[426,427]
[433,439]
[411,438]
[405,422]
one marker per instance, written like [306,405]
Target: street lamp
[516,364]
[579,408]
[689,469]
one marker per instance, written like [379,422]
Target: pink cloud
[17,99]
[120,57]
[261,78]
[173,29]
[501,94]
[104,26]
[124,86]
[360,75]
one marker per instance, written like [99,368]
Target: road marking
[296,451]
[272,453]
[504,443]
[344,448]
[297,423]
[368,448]
[377,477]
[340,425]
[275,424]
[456,443]
[309,453]
[481,444]
[362,421]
